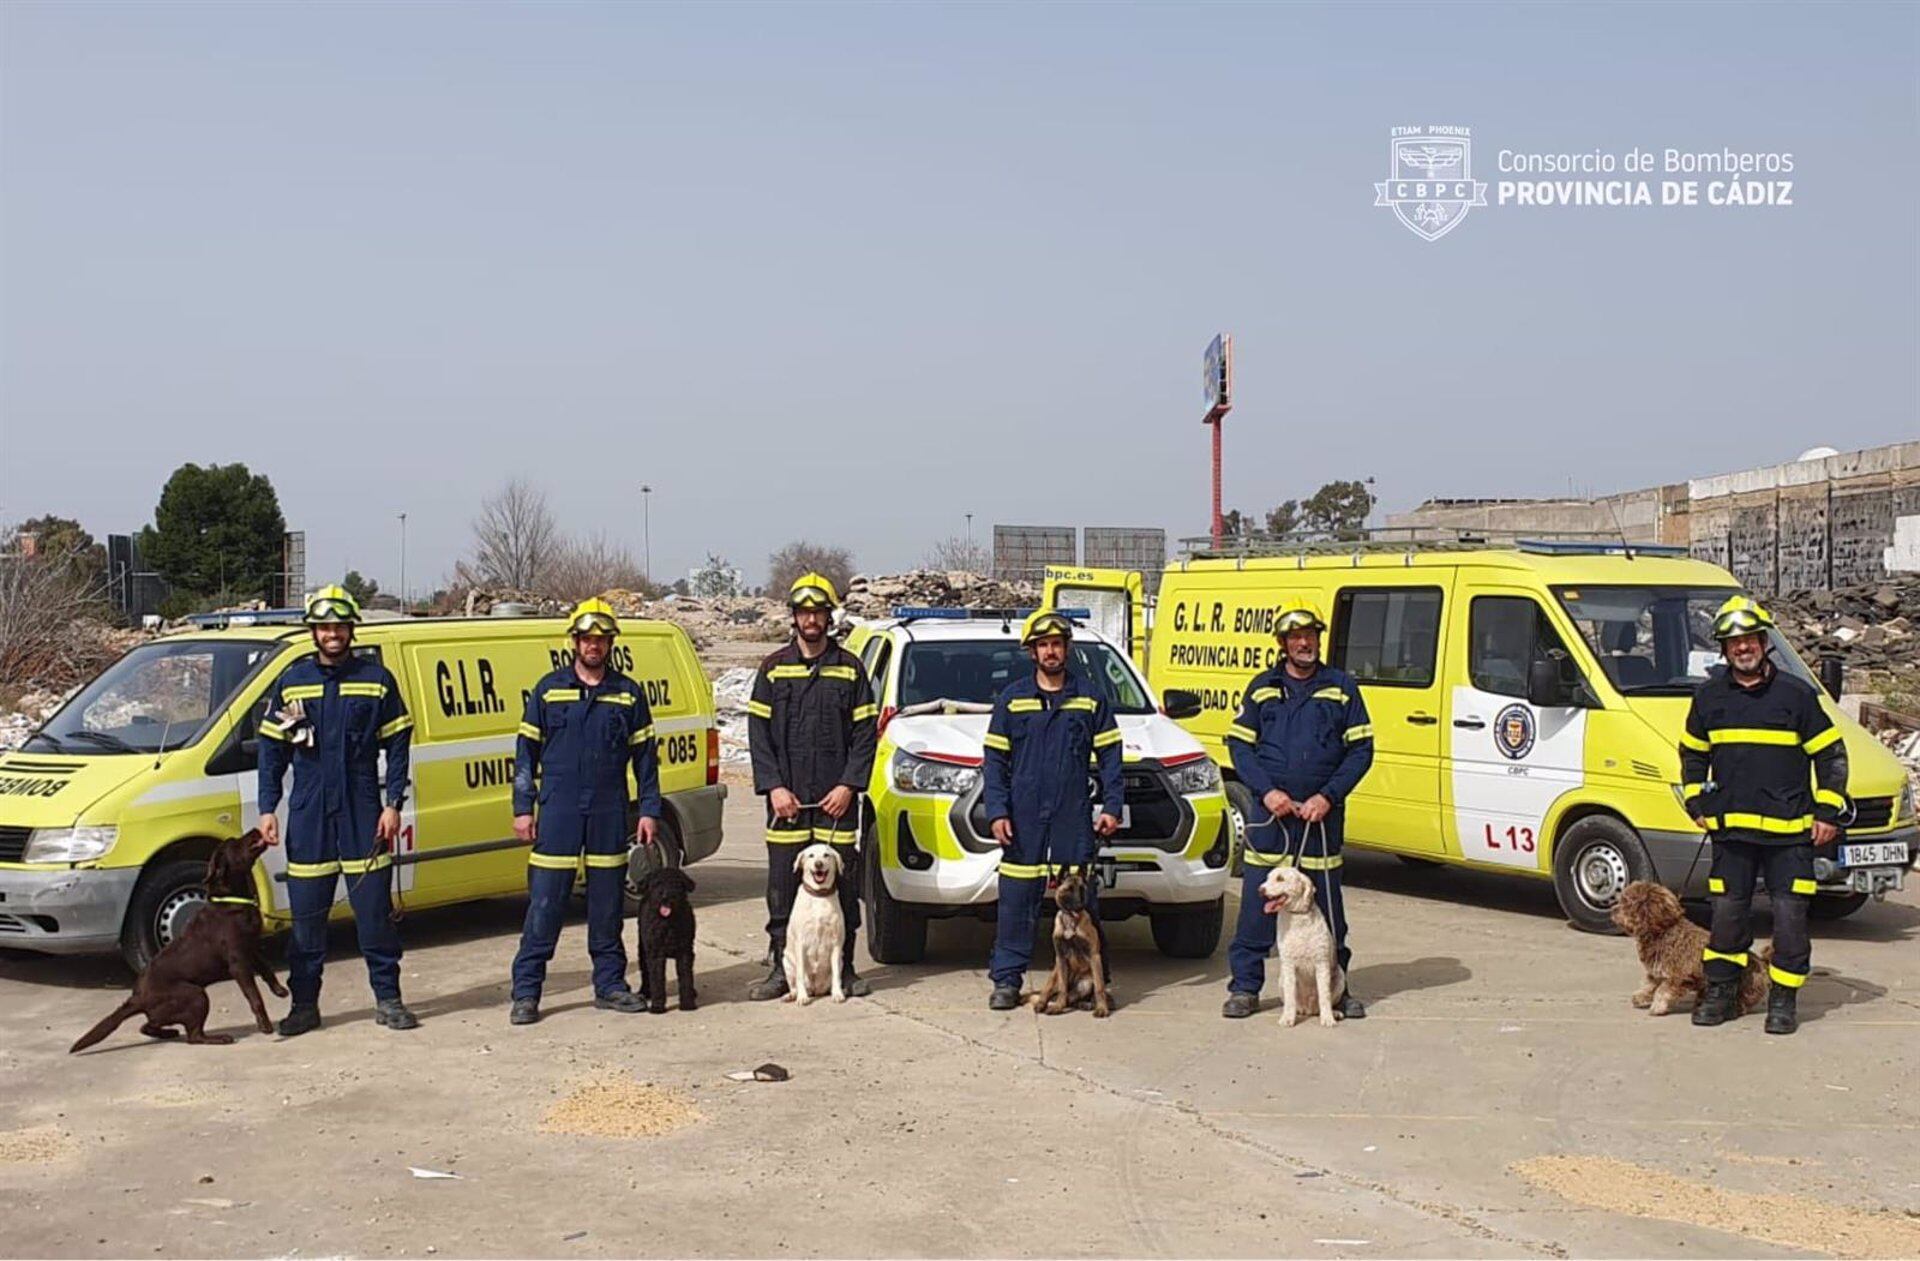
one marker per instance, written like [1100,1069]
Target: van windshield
[1658,641]
[161,695]
[975,671]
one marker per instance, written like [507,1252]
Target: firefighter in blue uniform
[584,725]
[1765,774]
[1301,744]
[1046,730]
[331,715]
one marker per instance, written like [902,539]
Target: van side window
[1506,635]
[1387,636]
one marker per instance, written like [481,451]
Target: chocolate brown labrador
[1079,971]
[222,942]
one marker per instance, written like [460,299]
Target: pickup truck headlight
[69,845]
[924,775]
[1197,776]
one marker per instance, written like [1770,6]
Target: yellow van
[1527,702]
[109,811]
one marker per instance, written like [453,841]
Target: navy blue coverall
[575,746]
[1305,737]
[351,713]
[1039,748]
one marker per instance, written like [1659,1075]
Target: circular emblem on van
[1513,731]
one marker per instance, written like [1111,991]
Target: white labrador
[1307,955]
[817,930]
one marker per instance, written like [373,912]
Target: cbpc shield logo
[1513,731]
[1431,185]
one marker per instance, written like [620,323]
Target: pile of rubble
[28,712]
[731,688]
[879,596]
[1872,629]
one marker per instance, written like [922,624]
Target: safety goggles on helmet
[1740,616]
[1294,617]
[1044,624]
[331,604]
[593,617]
[812,591]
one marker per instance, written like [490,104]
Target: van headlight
[1906,801]
[1197,776]
[69,845]
[924,775]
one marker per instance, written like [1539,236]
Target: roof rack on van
[1421,538]
[247,617]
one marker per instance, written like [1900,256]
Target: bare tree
[802,557]
[514,538]
[959,553]
[586,565]
[42,594]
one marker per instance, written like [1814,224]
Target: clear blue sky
[853,271]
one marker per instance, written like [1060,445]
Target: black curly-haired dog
[666,932]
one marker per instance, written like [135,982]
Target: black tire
[1592,862]
[168,896]
[1833,908]
[671,855]
[1240,800]
[1190,934]
[896,933]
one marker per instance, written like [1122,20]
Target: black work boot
[620,1000]
[1350,1008]
[300,1018]
[526,1011]
[1004,998]
[1240,1005]
[774,986]
[1719,1004]
[851,982]
[393,1013]
[1781,1016]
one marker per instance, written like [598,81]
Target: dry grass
[619,1109]
[1792,1221]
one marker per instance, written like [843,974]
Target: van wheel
[896,933]
[1189,934]
[1832,908]
[167,898]
[1592,862]
[1240,800]
[667,841]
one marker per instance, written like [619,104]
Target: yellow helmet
[593,617]
[1297,615]
[1740,615]
[812,591]
[1043,623]
[331,603]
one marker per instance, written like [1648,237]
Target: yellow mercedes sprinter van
[1527,702]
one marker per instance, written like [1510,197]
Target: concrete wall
[1842,520]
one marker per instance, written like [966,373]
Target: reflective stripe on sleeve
[641,736]
[998,742]
[1107,738]
[272,731]
[1263,694]
[395,727]
[759,709]
[1362,732]
[1822,740]
[1246,735]
[863,712]
[530,731]
[1690,741]
[1828,797]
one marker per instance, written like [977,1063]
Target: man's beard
[1053,671]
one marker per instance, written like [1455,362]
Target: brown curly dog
[1670,946]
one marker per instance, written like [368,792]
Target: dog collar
[818,893]
[234,901]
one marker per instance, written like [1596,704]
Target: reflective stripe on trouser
[310,902]
[564,836]
[783,882]
[1736,866]
[1021,898]
[1256,931]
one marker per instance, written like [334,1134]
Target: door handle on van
[1422,720]
[1471,724]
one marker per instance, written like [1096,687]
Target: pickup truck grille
[13,843]
[1160,819]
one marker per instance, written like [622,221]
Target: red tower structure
[1217,384]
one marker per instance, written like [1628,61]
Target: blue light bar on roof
[914,612]
[1598,547]
[907,612]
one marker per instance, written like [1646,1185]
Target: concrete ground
[1502,1099]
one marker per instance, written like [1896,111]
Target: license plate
[1875,854]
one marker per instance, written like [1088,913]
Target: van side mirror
[1833,675]
[1178,702]
[1548,685]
